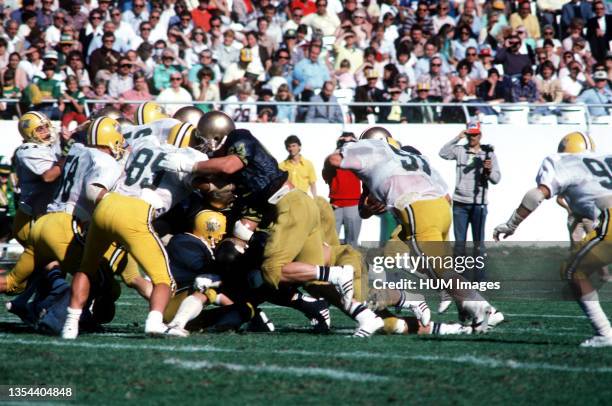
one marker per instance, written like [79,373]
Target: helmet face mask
[213,129]
[35,127]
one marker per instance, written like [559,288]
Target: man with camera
[477,166]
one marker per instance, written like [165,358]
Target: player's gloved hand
[206,281]
[508,228]
[175,162]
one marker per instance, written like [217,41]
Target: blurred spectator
[76,67]
[510,57]
[30,68]
[442,16]
[439,84]
[455,114]
[575,32]
[323,20]
[137,15]
[201,16]
[396,113]
[235,73]
[50,90]
[523,17]
[206,60]
[286,113]
[575,9]
[53,32]
[548,33]
[196,46]
[93,29]
[105,56]
[344,77]
[10,91]
[99,93]
[425,113]
[325,113]
[463,78]
[72,103]
[572,84]
[163,71]
[344,194]
[599,31]
[492,89]
[175,93]
[310,73]
[599,94]
[301,171]
[260,57]
[276,78]
[239,112]
[389,78]
[346,49]
[205,90]
[549,86]
[266,95]
[139,92]
[465,41]
[228,51]
[123,29]
[367,93]
[421,18]
[121,81]
[525,89]
[8,206]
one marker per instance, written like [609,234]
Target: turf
[530,359]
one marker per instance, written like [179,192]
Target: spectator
[123,29]
[322,20]
[175,93]
[276,78]
[572,84]
[455,114]
[492,89]
[99,93]
[76,67]
[367,93]
[139,92]
[206,60]
[465,41]
[228,52]
[137,15]
[50,90]
[206,90]
[198,44]
[525,89]
[396,113]
[10,91]
[325,113]
[92,30]
[54,31]
[439,84]
[442,16]
[523,17]
[549,86]
[105,56]
[8,207]
[261,59]
[201,16]
[29,69]
[344,77]
[510,57]
[235,73]
[15,43]
[477,166]
[286,113]
[344,194]
[421,18]
[239,112]
[162,73]
[548,33]
[575,9]
[301,171]
[463,78]
[425,113]
[121,81]
[283,60]
[599,31]
[599,94]
[144,36]
[310,73]
[346,49]
[266,95]
[72,103]
[76,18]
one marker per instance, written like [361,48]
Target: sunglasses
[138,5]
[96,17]
[548,33]
[167,58]
[471,54]
[283,57]
[154,17]
[125,65]
[176,79]
[215,25]
[436,64]
[145,29]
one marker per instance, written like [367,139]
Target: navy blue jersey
[189,257]
[260,178]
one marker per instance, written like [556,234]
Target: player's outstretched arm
[530,202]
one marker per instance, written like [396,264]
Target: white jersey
[584,180]
[32,160]
[159,129]
[393,176]
[144,179]
[84,166]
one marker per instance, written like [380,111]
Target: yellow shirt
[301,174]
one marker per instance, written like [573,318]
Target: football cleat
[369,324]
[597,342]
[260,323]
[176,331]
[421,311]
[318,312]
[445,302]
[163,330]
[70,331]
[344,285]
[496,317]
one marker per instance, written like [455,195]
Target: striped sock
[323,273]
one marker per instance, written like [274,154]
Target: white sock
[591,307]
[444,328]
[155,318]
[189,309]
[74,314]
[335,273]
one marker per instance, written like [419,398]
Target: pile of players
[102,201]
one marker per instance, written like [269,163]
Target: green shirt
[49,88]
[80,98]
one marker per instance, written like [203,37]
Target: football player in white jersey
[144,192]
[406,183]
[584,179]
[38,168]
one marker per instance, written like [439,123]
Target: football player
[584,179]
[144,191]
[405,183]
[38,169]
[293,252]
[150,119]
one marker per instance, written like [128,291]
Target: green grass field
[533,358]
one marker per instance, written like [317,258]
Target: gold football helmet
[148,112]
[210,225]
[36,127]
[105,132]
[189,114]
[180,135]
[380,133]
[213,129]
[576,142]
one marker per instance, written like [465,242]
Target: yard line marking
[546,316]
[480,361]
[279,369]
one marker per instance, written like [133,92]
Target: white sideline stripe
[545,316]
[466,359]
[279,369]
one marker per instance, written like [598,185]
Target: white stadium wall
[520,150]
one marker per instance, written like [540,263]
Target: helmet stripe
[94,131]
[180,136]
[587,141]
[140,114]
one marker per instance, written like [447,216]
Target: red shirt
[201,19]
[344,189]
[307,6]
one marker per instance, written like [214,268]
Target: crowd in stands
[55,54]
